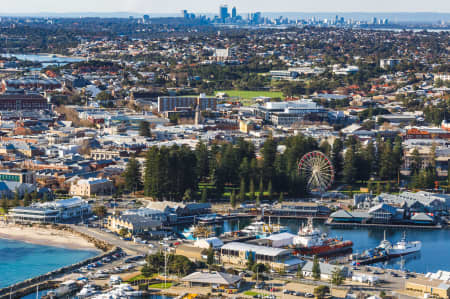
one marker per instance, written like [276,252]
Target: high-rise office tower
[234,12]
[223,12]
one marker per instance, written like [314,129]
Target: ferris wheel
[317,170]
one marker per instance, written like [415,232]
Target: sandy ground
[44,236]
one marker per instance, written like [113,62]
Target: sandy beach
[45,236]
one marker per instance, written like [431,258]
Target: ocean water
[20,261]
[434,256]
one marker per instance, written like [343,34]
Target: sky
[211,6]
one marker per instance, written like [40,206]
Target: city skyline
[208,7]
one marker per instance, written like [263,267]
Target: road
[114,240]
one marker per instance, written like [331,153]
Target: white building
[56,211]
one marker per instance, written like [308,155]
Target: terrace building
[56,211]
[277,258]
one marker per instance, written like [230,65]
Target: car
[286,291]
[309,295]
[259,286]
[298,294]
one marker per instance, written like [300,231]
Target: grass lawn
[139,277]
[250,94]
[251,293]
[160,285]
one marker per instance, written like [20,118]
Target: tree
[233,199]
[261,188]
[252,190]
[269,190]
[123,232]
[250,260]
[26,199]
[336,156]
[210,256]
[242,190]
[269,150]
[299,271]
[144,129]
[321,291]
[100,211]
[5,205]
[132,175]
[316,268]
[336,277]
[45,197]
[350,170]
[204,197]
[281,198]
[187,195]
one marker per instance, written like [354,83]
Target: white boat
[87,291]
[385,244]
[404,247]
[260,229]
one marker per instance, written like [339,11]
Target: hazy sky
[207,6]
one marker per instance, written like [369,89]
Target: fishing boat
[404,247]
[210,219]
[385,244]
[198,231]
[260,229]
[311,241]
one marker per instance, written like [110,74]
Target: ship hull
[327,249]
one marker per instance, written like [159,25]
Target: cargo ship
[311,241]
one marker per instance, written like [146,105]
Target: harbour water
[44,59]
[434,255]
[20,261]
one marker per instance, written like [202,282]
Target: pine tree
[132,175]
[336,277]
[269,190]
[5,205]
[210,256]
[204,197]
[242,190]
[261,188]
[281,198]
[349,166]
[250,260]
[336,156]
[252,190]
[233,199]
[144,129]
[269,150]
[26,199]
[316,268]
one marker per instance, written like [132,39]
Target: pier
[380,225]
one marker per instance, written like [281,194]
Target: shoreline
[46,236]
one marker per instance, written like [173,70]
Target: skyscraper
[234,12]
[223,12]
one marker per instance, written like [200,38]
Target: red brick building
[22,102]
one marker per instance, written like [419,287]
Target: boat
[311,241]
[385,244]
[260,229]
[198,231]
[404,247]
[210,219]
[87,291]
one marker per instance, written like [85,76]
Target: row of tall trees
[175,173]
[382,159]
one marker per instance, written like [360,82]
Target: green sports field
[249,94]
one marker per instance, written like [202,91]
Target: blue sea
[434,255]
[20,261]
